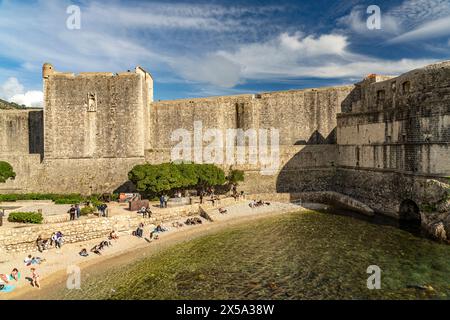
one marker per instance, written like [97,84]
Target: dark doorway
[409,211]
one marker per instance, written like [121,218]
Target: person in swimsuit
[35,282]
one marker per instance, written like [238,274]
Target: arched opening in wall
[406,87]
[409,212]
[381,96]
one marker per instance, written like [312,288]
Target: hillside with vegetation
[5,105]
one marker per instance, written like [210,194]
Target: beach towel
[6,288]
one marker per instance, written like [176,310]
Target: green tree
[209,175]
[156,179]
[235,176]
[167,177]
[188,174]
[6,172]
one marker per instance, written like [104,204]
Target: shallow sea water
[301,255]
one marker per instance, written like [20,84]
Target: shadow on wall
[312,168]
[318,138]
[36,133]
[126,187]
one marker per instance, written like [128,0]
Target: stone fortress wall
[380,140]
[395,138]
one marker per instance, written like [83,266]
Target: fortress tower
[95,114]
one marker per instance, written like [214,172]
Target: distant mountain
[5,105]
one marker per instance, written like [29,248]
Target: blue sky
[204,48]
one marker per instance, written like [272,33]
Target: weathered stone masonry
[383,141]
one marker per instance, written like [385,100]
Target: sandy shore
[127,248]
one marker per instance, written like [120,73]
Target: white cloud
[12,90]
[416,12]
[329,58]
[32,99]
[295,56]
[410,21]
[113,36]
[429,30]
[210,44]
[10,87]
[356,21]
[213,69]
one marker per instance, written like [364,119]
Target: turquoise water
[296,256]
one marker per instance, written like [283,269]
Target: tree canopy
[6,172]
[166,177]
[235,176]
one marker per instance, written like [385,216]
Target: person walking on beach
[161,201]
[59,240]
[102,209]
[53,239]
[35,278]
[78,211]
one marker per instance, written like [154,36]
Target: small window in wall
[394,86]
[406,87]
[357,156]
[381,95]
[92,102]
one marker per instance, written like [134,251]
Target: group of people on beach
[146,212]
[153,234]
[193,221]
[234,193]
[163,201]
[7,281]
[102,210]
[101,246]
[56,240]
[74,212]
[259,203]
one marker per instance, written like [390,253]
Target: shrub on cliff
[167,177]
[25,217]
[6,172]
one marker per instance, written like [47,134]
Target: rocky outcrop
[435,217]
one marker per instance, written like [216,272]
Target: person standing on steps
[72,212]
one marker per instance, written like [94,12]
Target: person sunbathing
[32,260]
[160,228]
[3,278]
[84,252]
[95,249]
[106,243]
[113,235]
[140,230]
[40,243]
[177,224]
[15,275]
